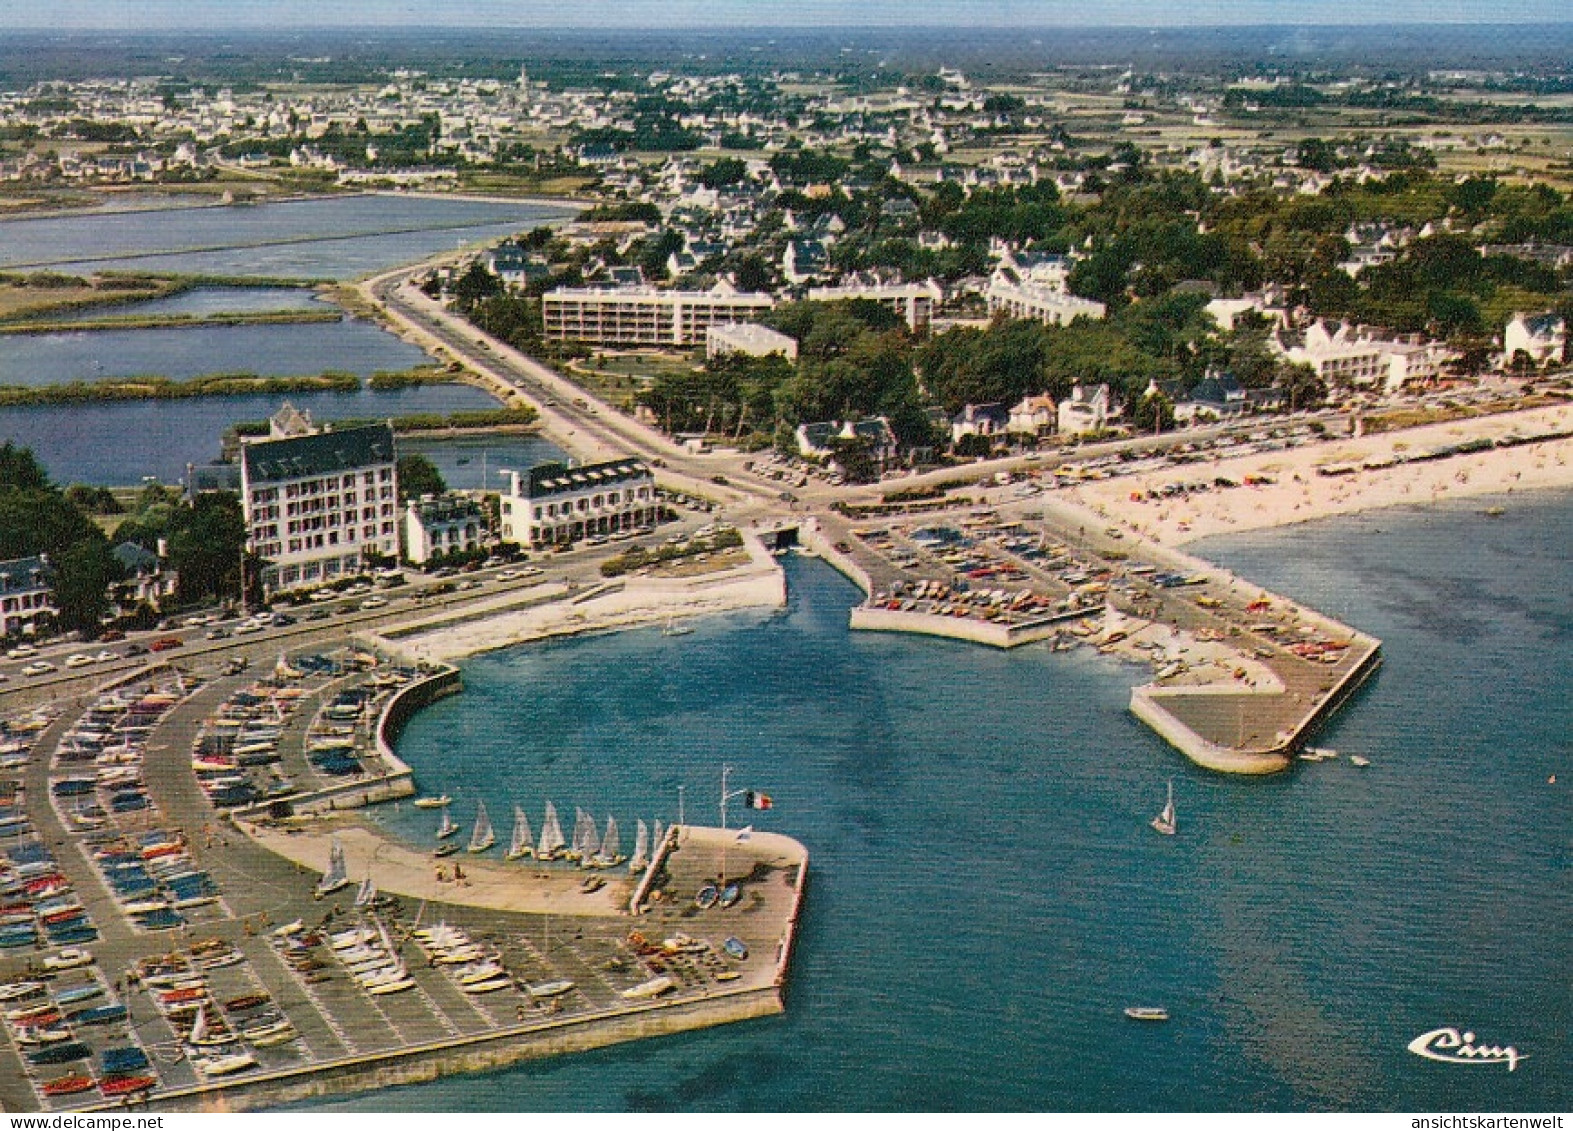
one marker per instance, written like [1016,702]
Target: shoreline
[622,603]
[1334,478]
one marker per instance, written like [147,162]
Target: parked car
[137,650]
[165,643]
[79,660]
[38,667]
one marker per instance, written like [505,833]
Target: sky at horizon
[284,15]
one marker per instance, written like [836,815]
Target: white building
[644,316]
[1038,302]
[1033,416]
[555,504]
[748,338]
[27,595]
[436,525]
[1083,411]
[1344,357]
[317,501]
[1542,337]
[914,302]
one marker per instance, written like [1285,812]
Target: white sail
[482,837]
[447,827]
[551,842]
[521,844]
[337,875]
[657,837]
[367,892]
[1164,821]
[199,1027]
[611,850]
[585,839]
[641,856]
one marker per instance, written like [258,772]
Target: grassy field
[617,378]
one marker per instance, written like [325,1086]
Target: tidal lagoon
[334,238]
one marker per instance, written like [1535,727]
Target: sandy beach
[1299,492]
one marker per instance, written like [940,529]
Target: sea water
[986,896]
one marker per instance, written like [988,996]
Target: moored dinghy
[520,845]
[337,875]
[482,837]
[641,857]
[1164,821]
[551,843]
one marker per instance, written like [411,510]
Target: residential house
[992,419]
[445,524]
[1086,411]
[1033,416]
[1217,396]
[27,595]
[146,581]
[1540,337]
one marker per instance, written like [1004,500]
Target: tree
[476,284]
[84,572]
[205,544]
[419,476]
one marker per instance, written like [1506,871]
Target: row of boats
[591,847]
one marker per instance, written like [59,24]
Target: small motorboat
[707,897]
[432,802]
[67,1085]
[126,1085]
[730,895]
[1147,1013]
[446,850]
[593,884]
[382,989]
[736,948]
[655,987]
[500,982]
[549,989]
[1356,760]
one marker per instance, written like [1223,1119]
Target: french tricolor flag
[757,800]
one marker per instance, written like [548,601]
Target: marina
[418,977]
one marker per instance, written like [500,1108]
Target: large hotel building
[555,503]
[317,501]
[644,316]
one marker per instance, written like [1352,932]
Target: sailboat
[585,840]
[520,846]
[1164,821]
[676,629]
[610,853]
[367,892]
[551,842]
[447,828]
[482,837]
[641,856]
[337,876]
